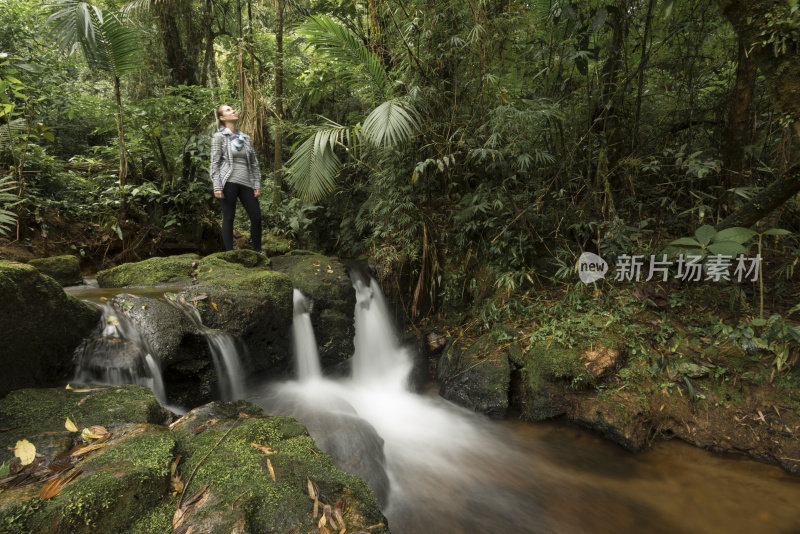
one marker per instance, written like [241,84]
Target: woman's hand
[256,192]
[219,194]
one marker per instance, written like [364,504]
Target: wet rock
[241,490]
[40,327]
[476,375]
[66,270]
[116,484]
[325,281]
[33,412]
[177,343]
[150,272]
[600,360]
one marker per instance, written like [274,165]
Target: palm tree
[314,165]
[108,45]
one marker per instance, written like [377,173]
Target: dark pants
[250,203]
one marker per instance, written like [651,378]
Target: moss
[65,270]
[243,257]
[240,479]
[157,519]
[553,363]
[149,272]
[35,411]
[275,245]
[40,326]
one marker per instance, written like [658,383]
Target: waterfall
[224,355]
[305,344]
[227,365]
[120,355]
[446,469]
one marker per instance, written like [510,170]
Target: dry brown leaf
[51,489]
[175,483]
[195,497]
[378,525]
[271,470]
[344,529]
[316,508]
[98,430]
[312,493]
[88,448]
[328,516]
[263,448]
[322,522]
[323,530]
[338,515]
[243,415]
[214,305]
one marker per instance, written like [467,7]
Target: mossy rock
[40,327]
[66,270]
[275,245]
[42,412]
[117,484]
[325,281]
[242,495]
[476,375]
[256,308]
[150,272]
[243,257]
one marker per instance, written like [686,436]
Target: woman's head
[225,113]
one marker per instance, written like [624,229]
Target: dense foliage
[470,148]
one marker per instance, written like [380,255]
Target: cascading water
[224,355]
[436,467]
[120,355]
[305,344]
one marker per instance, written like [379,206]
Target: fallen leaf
[262,448]
[51,489]
[88,448]
[243,415]
[330,271]
[174,479]
[271,470]
[69,425]
[312,493]
[25,451]
[68,387]
[329,517]
[98,430]
[214,305]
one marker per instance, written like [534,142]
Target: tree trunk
[737,129]
[180,65]
[278,155]
[642,67]
[782,73]
[123,152]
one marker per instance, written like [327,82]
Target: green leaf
[777,231]
[758,322]
[390,124]
[704,234]
[737,234]
[685,242]
[726,248]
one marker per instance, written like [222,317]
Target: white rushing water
[446,470]
[120,355]
[306,355]
[227,365]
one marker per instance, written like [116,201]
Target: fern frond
[314,165]
[391,123]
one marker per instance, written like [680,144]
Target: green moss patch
[150,272]
[66,270]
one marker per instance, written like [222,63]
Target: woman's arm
[255,171]
[216,161]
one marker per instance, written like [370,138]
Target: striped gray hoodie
[222,164]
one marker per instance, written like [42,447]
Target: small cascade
[227,365]
[305,344]
[120,355]
[224,355]
[378,357]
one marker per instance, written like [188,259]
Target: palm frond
[391,123]
[314,165]
[73,22]
[118,47]
[342,44]
[8,199]
[10,130]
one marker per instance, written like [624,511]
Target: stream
[438,468]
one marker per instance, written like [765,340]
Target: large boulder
[266,489]
[177,343]
[150,272]
[232,468]
[476,375]
[66,270]
[40,327]
[325,281]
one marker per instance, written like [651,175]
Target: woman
[235,174]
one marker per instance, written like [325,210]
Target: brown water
[579,482]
